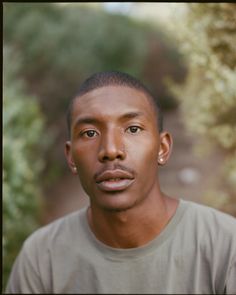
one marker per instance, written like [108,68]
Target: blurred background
[184,53]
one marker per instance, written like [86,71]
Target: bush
[22,136]
[207,36]
[61,46]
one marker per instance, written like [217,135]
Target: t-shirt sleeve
[231,280]
[24,277]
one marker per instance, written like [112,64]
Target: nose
[111,147]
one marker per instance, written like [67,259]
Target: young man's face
[115,145]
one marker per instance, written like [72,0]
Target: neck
[133,227]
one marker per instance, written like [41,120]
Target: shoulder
[57,232]
[211,224]
[211,215]
[32,269]
[213,233]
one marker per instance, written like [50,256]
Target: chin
[115,203]
[116,208]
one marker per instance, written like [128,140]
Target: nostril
[119,157]
[105,158]
[108,155]
[111,158]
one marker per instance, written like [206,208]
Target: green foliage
[22,131]
[62,46]
[208,37]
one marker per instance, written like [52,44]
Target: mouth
[114,180]
[116,184]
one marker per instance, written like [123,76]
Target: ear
[165,148]
[69,157]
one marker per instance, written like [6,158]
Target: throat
[128,228]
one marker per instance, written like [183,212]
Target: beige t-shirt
[194,254]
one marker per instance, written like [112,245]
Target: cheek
[144,154]
[84,158]
[146,166]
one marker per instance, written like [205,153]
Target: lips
[114,180]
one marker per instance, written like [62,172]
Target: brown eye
[134,129]
[90,133]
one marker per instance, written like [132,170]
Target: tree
[22,138]
[207,35]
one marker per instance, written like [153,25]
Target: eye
[134,129]
[89,133]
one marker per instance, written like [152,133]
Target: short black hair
[115,78]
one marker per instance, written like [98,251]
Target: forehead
[112,101]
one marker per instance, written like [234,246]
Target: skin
[116,127]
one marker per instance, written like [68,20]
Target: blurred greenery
[207,37]
[22,163]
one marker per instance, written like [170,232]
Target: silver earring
[75,169]
[161,160]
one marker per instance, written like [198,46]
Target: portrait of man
[132,237]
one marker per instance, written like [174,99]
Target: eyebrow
[86,120]
[92,120]
[132,115]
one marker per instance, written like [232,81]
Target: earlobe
[165,148]
[69,157]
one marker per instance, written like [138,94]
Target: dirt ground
[185,176]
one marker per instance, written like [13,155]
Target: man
[132,238]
